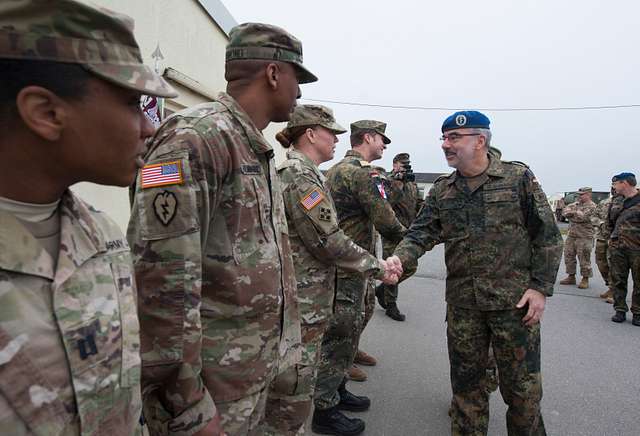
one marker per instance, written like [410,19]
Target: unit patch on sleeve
[161,174]
[312,199]
[325,214]
[165,206]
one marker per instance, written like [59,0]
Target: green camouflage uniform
[218,309]
[624,249]
[76,370]
[318,246]
[579,240]
[500,240]
[602,239]
[69,333]
[362,209]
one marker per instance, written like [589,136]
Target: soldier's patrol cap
[267,42]
[368,125]
[401,157]
[70,31]
[585,190]
[466,120]
[314,115]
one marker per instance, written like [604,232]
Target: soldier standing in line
[581,215]
[318,246]
[602,244]
[502,251]
[71,80]
[403,197]
[360,200]
[208,230]
[624,248]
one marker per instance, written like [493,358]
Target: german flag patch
[312,199]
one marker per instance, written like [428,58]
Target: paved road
[591,366]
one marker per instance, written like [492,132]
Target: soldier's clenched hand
[536,301]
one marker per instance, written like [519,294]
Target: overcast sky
[474,55]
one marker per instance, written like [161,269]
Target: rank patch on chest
[165,206]
[312,199]
[325,214]
[161,174]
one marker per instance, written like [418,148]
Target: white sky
[470,54]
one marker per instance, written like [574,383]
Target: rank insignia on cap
[162,174]
[312,199]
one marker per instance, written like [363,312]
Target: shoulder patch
[312,199]
[161,174]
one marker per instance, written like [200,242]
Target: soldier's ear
[272,72]
[42,111]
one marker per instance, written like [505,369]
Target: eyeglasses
[454,137]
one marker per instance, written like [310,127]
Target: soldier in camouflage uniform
[403,197]
[602,244]
[360,200]
[582,216]
[72,77]
[624,247]
[318,246]
[218,309]
[502,251]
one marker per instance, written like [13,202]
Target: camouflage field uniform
[579,240]
[356,192]
[624,249]
[500,240]
[403,197]
[213,262]
[318,246]
[77,369]
[602,239]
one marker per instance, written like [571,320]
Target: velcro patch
[251,169]
[161,174]
[312,199]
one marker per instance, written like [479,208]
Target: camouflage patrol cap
[585,190]
[69,31]
[401,157]
[267,42]
[368,125]
[314,115]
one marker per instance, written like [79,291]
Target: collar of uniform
[295,154]
[353,153]
[494,169]
[258,143]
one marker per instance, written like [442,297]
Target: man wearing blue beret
[502,251]
[624,247]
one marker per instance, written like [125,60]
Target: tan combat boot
[584,283]
[570,280]
[366,359]
[356,374]
[608,294]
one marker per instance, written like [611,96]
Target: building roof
[427,177]
[219,14]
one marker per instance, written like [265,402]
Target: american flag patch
[312,199]
[162,174]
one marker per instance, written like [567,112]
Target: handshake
[392,270]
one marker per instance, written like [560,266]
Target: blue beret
[466,120]
[623,176]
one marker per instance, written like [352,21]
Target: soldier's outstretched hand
[535,300]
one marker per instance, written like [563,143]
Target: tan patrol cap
[367,125]
[70,31]
[314,115]
[585,190]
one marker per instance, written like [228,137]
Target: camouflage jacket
[582,218]
[626,230]
[361,201]
[69,335]
[218,309]
[403,198]
[317,243]
[602,211]
[500,239]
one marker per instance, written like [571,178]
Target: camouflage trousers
[624,260]
[580,248]
[602,249]
[340,342]
[291,393]
[244,417]
[516,347]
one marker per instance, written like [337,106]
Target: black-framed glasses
[453,137]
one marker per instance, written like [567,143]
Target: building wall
[193,44]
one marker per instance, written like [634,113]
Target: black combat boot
[636,319]
[394,313]
[331,421]
[352,402]
[619,317]
[380,296]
